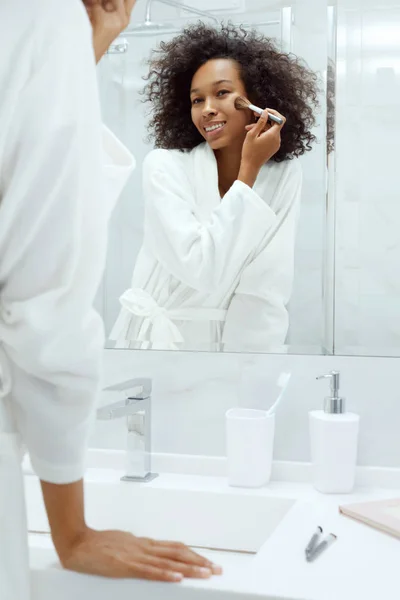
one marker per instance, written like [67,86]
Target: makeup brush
[242,102]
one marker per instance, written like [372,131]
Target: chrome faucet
[136,407]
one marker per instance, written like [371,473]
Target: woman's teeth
[214,127]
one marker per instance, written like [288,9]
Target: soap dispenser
[334,441]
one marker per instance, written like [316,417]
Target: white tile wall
[192,392]
[367,319]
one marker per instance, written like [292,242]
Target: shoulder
[64,24]
[293,169]
[165,160]
[290,168]
[285,173]
[38,26]
[58,15]
[52,17]
[279,184]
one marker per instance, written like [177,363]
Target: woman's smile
[214,129]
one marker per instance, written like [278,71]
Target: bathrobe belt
[161,319]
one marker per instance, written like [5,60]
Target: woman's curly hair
[271,78]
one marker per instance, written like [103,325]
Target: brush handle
[282,392]
[260,111]
[275,119]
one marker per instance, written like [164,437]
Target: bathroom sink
[172,508]
[227,525]
[257,535]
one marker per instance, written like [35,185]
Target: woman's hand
[108,22]
[263,140]
[118,554]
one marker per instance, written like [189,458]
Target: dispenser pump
[334,404]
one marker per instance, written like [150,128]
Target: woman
[53,233]
[222,195]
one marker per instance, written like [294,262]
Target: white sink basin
[226,519]
[229,526]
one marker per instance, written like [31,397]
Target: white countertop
[363,564]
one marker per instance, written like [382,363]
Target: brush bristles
[242,102]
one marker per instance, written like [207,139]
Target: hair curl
[271,78]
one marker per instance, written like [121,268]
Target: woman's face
[215,86]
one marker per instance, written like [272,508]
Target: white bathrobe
[212,274]
[59,177]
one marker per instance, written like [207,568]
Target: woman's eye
[196,101]
[223,92]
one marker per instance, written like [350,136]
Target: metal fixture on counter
[136,407]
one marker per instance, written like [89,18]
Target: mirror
[195,261]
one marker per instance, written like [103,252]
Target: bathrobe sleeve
[257,318]
[59,176]
[200,254]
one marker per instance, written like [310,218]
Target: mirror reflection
[219,238]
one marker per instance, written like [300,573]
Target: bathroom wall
[367,319]
[192,391]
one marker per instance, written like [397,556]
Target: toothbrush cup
[249,445]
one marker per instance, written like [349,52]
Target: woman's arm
[200,254]
[116,554]
[257,318]
[108,18]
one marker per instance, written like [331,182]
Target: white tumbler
[250,444]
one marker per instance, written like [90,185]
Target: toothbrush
[283,381]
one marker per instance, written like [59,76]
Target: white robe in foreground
[59,178]
[212,274]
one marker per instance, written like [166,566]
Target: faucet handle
[128,386]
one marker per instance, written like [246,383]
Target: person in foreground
[222,193]
[60,173]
